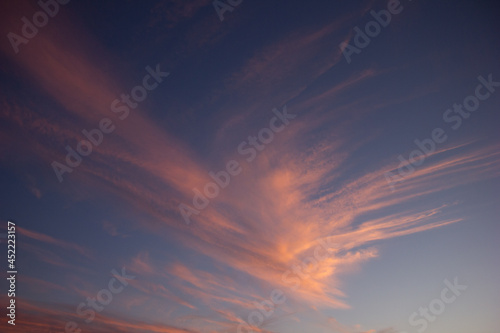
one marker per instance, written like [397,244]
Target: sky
[203,166]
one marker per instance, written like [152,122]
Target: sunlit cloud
[319,181]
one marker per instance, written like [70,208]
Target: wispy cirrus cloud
[53,241]
[303,188]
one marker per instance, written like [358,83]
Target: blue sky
[231,166]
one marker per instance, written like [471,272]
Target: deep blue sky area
[198,166]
